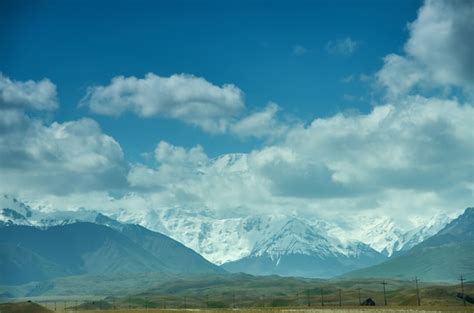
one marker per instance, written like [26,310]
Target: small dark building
[368,301]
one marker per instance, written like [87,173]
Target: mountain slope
[30,253]
[442,257]
[175,255]
[297,249]
[231,238]
[73,249]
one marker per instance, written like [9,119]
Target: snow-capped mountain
[13,212]
[298,249]
[425,231]
[226,239]
[16,212]
[385,236]
[295,237]
[219,240]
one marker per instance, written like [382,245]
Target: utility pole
[185,304]
[207,301]
[55,306]
[322,297]
[233,299]
[384,292]
[340,297]
[307,297]
[360,302]
[417,291]
[462,279]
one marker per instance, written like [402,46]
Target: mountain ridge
[442,257]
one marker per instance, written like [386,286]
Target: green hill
[23,307]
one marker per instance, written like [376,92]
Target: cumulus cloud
[168,153]
[439,52]
[36,95]
[345,46]
[420,148]
[188,98]
[410,155]
[261,124]
[441,40]
[174,165]
[56,158]
[399,75]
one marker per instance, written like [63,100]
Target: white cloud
[299,50]
[37,95]
[175,164]
[345,46]
[184,97]
[441,40]
[58,158]
[261,124]
[52,158]
[167,153]
[407,157]
[399,75]
[439,53]
[419,148]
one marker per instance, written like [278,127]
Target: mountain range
[297,249]
[157,241]
[443,257]
[34,253]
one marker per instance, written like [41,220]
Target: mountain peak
[295,237]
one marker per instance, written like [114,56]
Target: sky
[240,107]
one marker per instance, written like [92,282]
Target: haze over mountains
[34,244]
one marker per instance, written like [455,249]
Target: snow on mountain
[225,239]
[299,249]
[423,232]
[13,212]
[295,237]
[219,240]
[16,212]
[299,237]
[385,236]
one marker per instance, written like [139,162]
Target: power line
[384,292]
[462,279]
[417,291]
[322,297]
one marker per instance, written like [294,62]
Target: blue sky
[334,106]
[250,44]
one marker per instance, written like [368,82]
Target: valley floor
[388,309]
